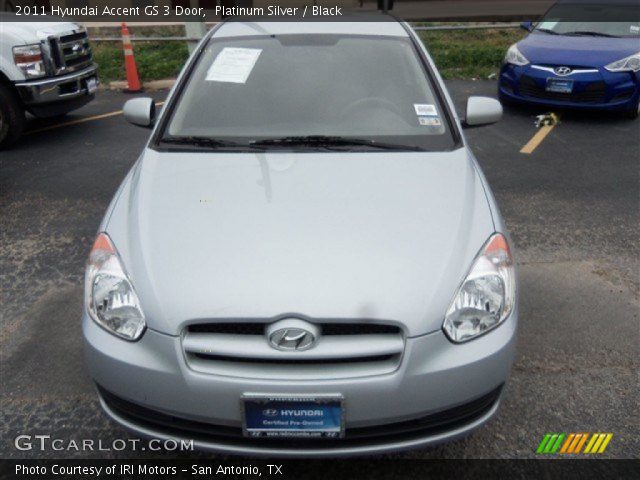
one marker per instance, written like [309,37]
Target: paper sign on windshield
[547,25]
[233,65]
[423,109]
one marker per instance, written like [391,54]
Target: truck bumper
[58,95]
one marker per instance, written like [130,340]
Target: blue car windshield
[592,19]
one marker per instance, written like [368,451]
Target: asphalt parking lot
[572,207]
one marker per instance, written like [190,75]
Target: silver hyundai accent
[306,259]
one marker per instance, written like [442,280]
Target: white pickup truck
[46,69]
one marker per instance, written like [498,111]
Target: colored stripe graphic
[550,443]
[596,447]
[583,440]
[567,442]
[607,439]
[592,441]
[556,446]
[543,443]
[573,443]
[599,443]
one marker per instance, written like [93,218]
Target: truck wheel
[12,117]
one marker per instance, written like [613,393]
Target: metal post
[194,31]
[195,28]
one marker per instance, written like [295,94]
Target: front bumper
[58,89]
[595,88]
[143,384]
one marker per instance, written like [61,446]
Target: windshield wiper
[547,30]
[590,34]
[328,142]
[207,142]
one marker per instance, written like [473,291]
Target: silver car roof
[386,28]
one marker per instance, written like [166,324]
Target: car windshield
[310,91]
[592,19]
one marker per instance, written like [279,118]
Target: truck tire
[12,117]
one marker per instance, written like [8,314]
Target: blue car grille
[591,93]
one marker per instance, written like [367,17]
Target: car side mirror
[528,26]
[140,111]
[482,111]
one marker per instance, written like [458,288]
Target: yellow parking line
[537,139]
[82,120]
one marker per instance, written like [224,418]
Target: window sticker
[233,65]
[423,109]
[547,25]
[634,29]
[430,121]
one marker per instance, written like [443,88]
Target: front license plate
[92,85]
[559,85]
[306,417]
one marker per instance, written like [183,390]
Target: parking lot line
[82,120]
[537,139]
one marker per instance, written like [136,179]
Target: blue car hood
[544,49]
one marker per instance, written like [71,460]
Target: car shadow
[573,115]
[35,123]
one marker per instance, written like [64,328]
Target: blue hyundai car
[582,54]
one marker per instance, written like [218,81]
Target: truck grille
[345,350]
[70,52]
[591,93]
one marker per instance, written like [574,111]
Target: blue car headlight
[628,64]
[515,57]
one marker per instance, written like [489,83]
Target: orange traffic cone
[133,81]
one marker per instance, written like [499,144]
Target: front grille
[74,36]
[344,350]
[432,424]
[311,361]
[591,93]
[70,52]
[327,328]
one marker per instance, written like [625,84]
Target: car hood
[544,49]
[34,32]
[381,236]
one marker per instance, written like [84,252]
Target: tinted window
[606,19]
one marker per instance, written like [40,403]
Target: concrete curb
[152,85]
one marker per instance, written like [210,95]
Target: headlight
[109,296]
[28,58]
[629,64]
[514,56]
[486,297]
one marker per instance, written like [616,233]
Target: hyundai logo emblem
[270,412]
[292,334]
[562,71]
[292,339]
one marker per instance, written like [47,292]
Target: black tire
[632,113]
[12,117]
